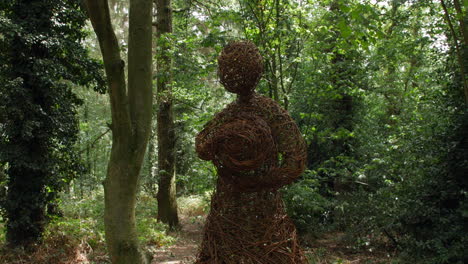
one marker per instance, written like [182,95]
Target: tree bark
[167,203]
[151,184]
[462,15]
[131,116]
[344,105]
[459,50]
[274,77]
[462,20]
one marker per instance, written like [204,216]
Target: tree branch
[91,145]
[98,11]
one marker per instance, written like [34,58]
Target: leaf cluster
[42,62]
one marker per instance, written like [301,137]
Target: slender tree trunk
[460,46]
[3,179]
[274,77]
[278,54]
[151,182]
[462,15]
[344,106]
[131,117]
[462,20]
[88,152]
[167,203]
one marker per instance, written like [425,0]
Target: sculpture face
[240,67]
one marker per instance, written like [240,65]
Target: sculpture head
[240,67]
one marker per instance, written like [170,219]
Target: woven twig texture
[257,148]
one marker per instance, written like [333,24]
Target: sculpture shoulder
[269,109]
[260,106]
[285,131]
[267,102]
[221,116]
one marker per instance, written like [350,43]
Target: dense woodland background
[378,88]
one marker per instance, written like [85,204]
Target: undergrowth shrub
[432,221]
[65,241]
[78,236]
[194,205]
[152,232]
[306,206]
[423,215]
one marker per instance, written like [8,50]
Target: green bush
[432,221]
[308,209]
[88,216]
[77,230]
[152,232]
[424,214]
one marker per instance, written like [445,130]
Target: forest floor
[188,239]
[330,248]
[80,241]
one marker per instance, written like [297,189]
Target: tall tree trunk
[462,15]
[343,106]
[461,47]
[131,117]
[167,203]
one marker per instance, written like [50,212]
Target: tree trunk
[27,201]
[131,117]
[274,77]
[88,153]
[462,15]
[167,203]
[461,47]
[343,106]
[151,185]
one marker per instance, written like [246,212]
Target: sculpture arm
[203,141]
[291,146]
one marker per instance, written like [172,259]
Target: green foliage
[306,206]
[94,141]
[384,164]
[195,205]
[153,232]
[196,94]
[77,230]
[150,231]
[81,232]
[87,216]
[41,58]
[279,30]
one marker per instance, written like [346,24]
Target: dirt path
[330,248]
[185,249]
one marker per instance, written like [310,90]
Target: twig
[395,242]
[94,141]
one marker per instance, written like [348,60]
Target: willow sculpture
[256,148]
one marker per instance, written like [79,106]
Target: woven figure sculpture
[257,148]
